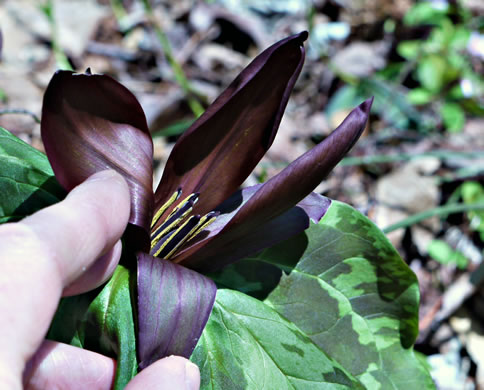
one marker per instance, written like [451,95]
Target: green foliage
[245,276]
[3,96]
[453,116]
[449,87]
[177,69]
[440,63]
[391,103]
[473,192]
[419,96]
[425,13]
[176,128]
[102,321]
[443,253]
[62,61]
[431,73]
[27,182]
[248,345]
[349,293]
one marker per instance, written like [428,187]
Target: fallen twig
[20,111]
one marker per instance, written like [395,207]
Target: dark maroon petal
[174,304]
[279,194]
[224,246]
[91,123]
[300,177]
[223,146]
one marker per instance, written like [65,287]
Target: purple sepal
[174,304]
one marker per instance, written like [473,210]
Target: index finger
[45,252]
[85,225]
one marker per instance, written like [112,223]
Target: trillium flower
[197,219]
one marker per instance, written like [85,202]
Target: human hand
[67,249]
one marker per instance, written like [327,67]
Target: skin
[67,249]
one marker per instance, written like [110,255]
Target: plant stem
[178,72]
[118,11]
[390,158]
[441,211]
[59,55]
[381,159]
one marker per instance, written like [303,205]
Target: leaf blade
[237,351]
[27,182]
[349,270]
[102,320]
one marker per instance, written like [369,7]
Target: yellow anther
[182,241]
[180,205]
[160,235]
[163,208]
[175,222]
[204,222]
[169,239]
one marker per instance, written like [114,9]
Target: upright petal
[274,199]
[174,304]
[304,174]
[91,123]
[223,146]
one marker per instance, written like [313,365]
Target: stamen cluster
[178,227]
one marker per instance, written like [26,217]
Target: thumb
[173,372]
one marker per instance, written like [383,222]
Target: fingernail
[192,376]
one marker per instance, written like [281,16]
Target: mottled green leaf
[355,298]
[246,276]
[259,274]
[102,321]
[27,182]
[248,345]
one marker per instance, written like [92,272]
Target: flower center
[178,227]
